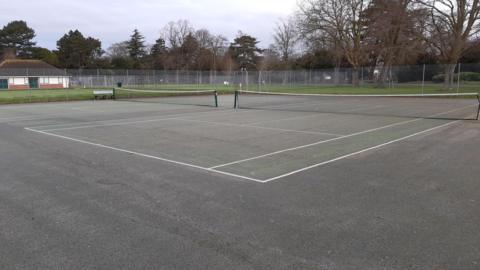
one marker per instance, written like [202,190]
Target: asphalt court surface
[255,145]
[126,185]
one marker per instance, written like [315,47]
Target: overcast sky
[113,20]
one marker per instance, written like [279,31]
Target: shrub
[464,76]
[438,78]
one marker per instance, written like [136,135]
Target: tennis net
[174,97]
[453,106]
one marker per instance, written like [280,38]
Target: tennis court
[277,175]
[269,140]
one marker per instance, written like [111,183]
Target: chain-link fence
[419,77]
[416,78]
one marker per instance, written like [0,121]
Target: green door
[33,83]
[3,84]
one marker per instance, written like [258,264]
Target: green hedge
[464,76]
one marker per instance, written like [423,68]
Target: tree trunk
[355,80]
[449,76]
[382,76]
[336,77]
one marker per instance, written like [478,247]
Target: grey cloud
[113,21]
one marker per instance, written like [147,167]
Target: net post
[478,110]
[114,96]
[235,102]
[216,98]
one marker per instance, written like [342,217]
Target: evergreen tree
[136,45]
[76,51]
[18,35]
[245,52]
[159,48]
[189,50]
[158,54]
[45,55]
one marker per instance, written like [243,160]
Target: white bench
[103,94]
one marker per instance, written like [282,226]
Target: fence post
[29,88]
[258,80]
[361,80]
[458,79]
[423,80]
[154,79]
[391,79]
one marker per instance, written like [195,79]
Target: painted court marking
[143,155]
[260,127]
[117,122]
[309,115]
[213,170]
[313,144]
[360,152]
[333,139]
[190,120]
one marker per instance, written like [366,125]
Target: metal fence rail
[385,77]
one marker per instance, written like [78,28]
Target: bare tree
[217,43]
[272,60]
[394,34]
[452,24]
[204,38]
[118,50]
[285,38]
[342,24]
[212,43]
[176,33]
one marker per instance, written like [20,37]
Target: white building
[18,74]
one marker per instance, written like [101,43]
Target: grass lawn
[31,96]
[44,95]
[413,88]
[397,89]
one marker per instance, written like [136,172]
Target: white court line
[278,107]
[231,174]
[113,124]
[28,117]
[260,127]
[330,140]
[294,105]
[317,114]
[78,110]
[283,119]
[86,109]
[61,105]
[144,155]
[108,122]
[359,152]
[190,120]
[17,117]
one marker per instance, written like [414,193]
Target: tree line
[320,34]
[179,47]
[382,33]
